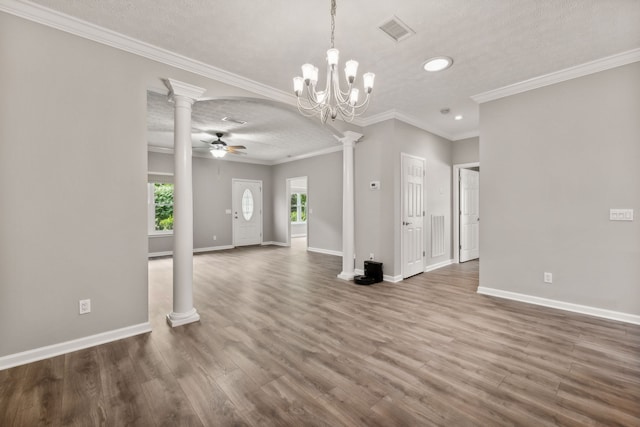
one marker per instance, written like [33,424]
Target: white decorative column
[348,205]
[183,95]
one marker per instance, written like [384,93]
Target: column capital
[349,138]
[179,88]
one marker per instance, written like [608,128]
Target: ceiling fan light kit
[332,101]
[218,153]
[218,148]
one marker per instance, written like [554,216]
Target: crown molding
[376,118]
[179,88]
[465,135]
[58,20]
[394,114]
[308,155]
[78,27]
[581,70]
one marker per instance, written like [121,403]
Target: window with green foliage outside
[298,207]
[161,198]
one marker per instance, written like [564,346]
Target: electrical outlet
[215,237]
[548,278]
[371,256]
[85,306]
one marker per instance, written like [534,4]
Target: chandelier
[332,100]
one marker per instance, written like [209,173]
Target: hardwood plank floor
[283,342]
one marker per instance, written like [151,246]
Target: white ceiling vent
[396,29]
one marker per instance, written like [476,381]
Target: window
[160,208]
[298,207]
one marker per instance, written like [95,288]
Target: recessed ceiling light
[458,117]
[438,63]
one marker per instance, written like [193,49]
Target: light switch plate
[621,214]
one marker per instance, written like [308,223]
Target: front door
[469,214]
[247,212]
[413,171]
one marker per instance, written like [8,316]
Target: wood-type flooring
[283,342]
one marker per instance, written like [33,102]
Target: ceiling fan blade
[233,151]
[237,147]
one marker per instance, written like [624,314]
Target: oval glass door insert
[247,204]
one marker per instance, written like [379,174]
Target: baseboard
[275,244]
[561,305]
[195,250]
[299,235]
[213,248]
[385,277]
[325,251]
[432,267]
[46,352]
[158,254]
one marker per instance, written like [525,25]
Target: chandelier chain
[333,21]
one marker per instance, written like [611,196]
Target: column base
[346,275]
[179,319]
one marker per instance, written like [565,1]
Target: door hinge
[423,214]
[424,253]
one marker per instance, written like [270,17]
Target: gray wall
[73,161]
[554,161]
[212,184]
[324,189]
[465,151]
[378,216]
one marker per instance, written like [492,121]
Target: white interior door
[413,171]
[247,212]
[469,215]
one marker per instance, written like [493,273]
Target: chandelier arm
[309,106]
[346,110]
[307,111]
[363,104]
[310,92]
[338,93]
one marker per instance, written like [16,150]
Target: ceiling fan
[219,148]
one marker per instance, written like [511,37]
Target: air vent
[396,29]
[232,120]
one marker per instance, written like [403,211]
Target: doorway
[466,218]
[412,205]
[297,211]
[247,212]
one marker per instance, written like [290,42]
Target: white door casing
[469,215]
[247,212]
[413,255]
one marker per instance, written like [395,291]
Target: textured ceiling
[272,131]
[494,43]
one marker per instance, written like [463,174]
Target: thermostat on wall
[374,185]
